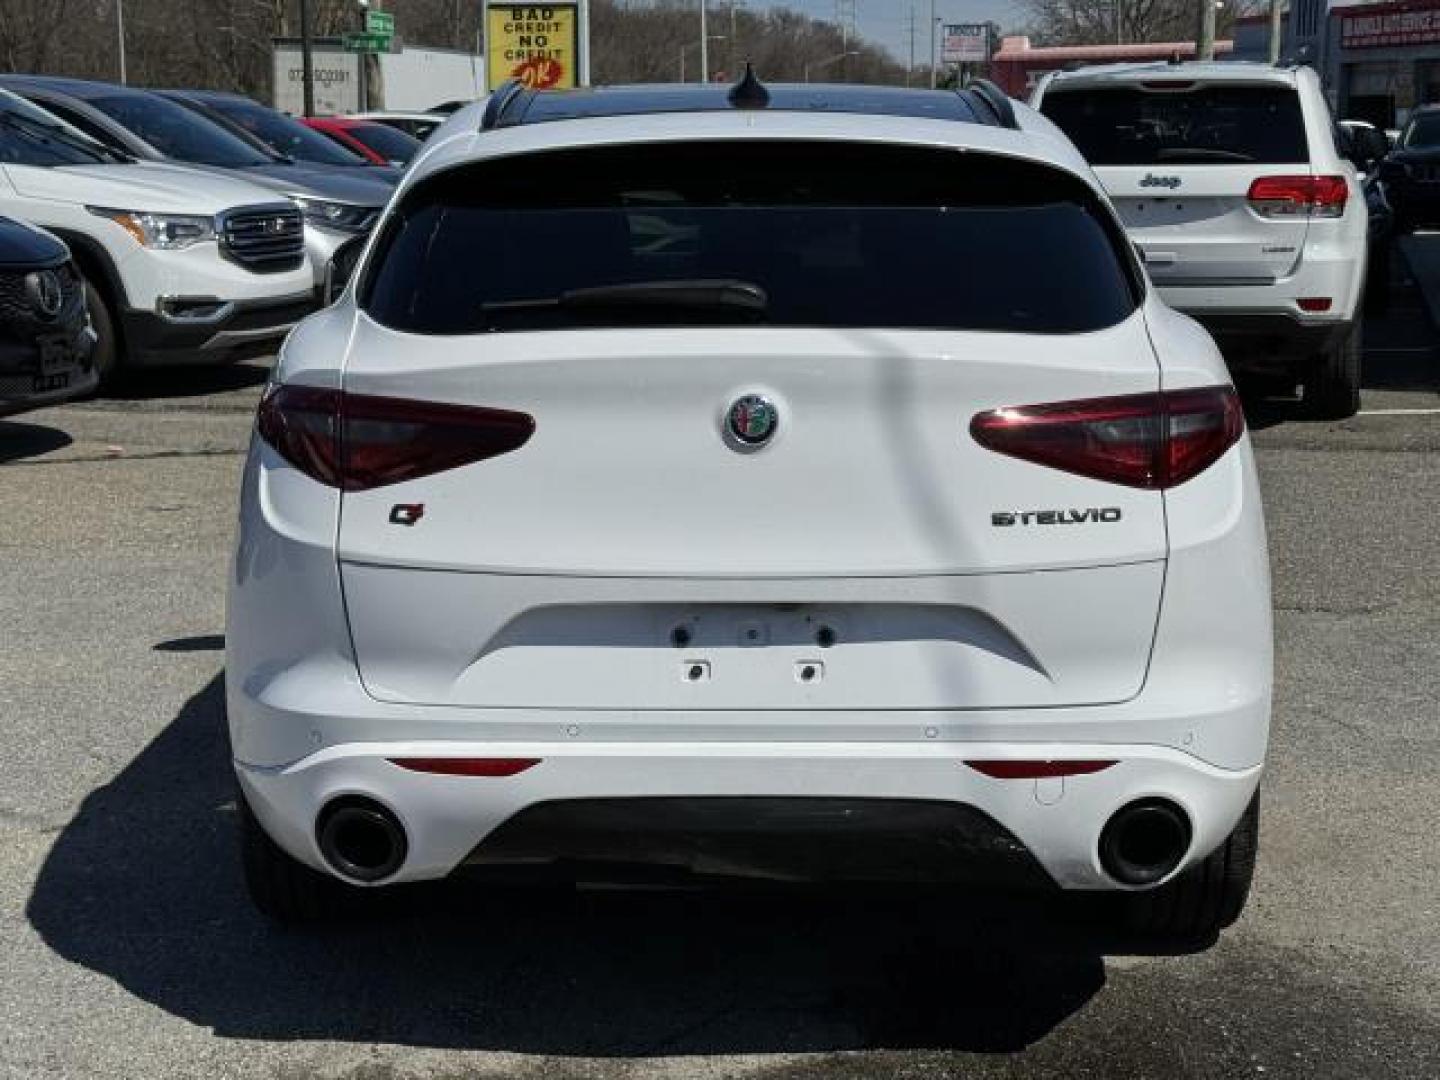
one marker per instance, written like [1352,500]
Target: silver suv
[1229,180]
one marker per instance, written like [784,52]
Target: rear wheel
[1332,384]
[1208,897]
[282,887]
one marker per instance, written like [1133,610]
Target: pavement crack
[154,455]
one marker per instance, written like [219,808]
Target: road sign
[539,44]
[380,23]
[365,43]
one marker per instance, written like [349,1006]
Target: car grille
[21,318]
[263,239]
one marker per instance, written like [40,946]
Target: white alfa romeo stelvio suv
[796,482]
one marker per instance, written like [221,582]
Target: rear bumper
[1054,822]
[1262,341]
[216,334]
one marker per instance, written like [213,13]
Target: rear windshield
[805,235]
[1195,125]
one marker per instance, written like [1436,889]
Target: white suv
[1228,178]
[704,480]
[181,266]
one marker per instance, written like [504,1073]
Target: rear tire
[1197,905]
[1332,383]
[105,357]
[280,886]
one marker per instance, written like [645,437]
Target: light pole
[120,33]
[828,61]
[685,49]
[704,44]
[934,25]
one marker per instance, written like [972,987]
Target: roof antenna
[749,92]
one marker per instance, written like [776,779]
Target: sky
[886,22]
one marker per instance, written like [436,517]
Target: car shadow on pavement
[19,440]
[187,382]
[143,886]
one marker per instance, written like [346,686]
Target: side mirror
[341,267]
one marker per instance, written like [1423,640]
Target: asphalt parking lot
[127,947]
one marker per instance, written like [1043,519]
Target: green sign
[380,23]
[365,43]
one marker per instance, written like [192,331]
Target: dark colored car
[45,336]
[380,143]
[1411,173]
[275,131]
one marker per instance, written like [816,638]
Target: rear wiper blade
[700,294]
[1199,155]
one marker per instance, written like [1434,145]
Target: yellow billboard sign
[539,44]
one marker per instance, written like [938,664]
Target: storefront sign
[965,44]
[538,44]
[1367,31]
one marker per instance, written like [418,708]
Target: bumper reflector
[1036,770]
[466,766]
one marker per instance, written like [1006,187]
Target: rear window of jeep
[1181,124]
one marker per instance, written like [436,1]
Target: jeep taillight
[358,441]
[1298,196]
[1154,441]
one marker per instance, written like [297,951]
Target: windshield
[283,134]
[389,143]
[178,133]
[771,233]
[29,136]
[1424,131]
[1190,124]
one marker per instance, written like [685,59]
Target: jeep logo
[1151,180]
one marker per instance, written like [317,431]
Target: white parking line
[1399,412]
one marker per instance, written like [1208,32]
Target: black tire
[1332,382]
[106,356]
[281,887]
[1197,905]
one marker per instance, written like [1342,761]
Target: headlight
[342,217]
[168,232]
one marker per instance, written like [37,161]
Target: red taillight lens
[358,441]
[1298,196]
[1152,441]
[466,766]
[1037,770]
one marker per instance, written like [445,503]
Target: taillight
[999,769]
[1298,196]
[357,441]
[1153,441]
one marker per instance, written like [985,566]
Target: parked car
[417,125]
[150,127]
[380,143]
[1411,173]
[276,132]
[180,266]
[45,336]
[1366,146]
[1228,178]
[859,641]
